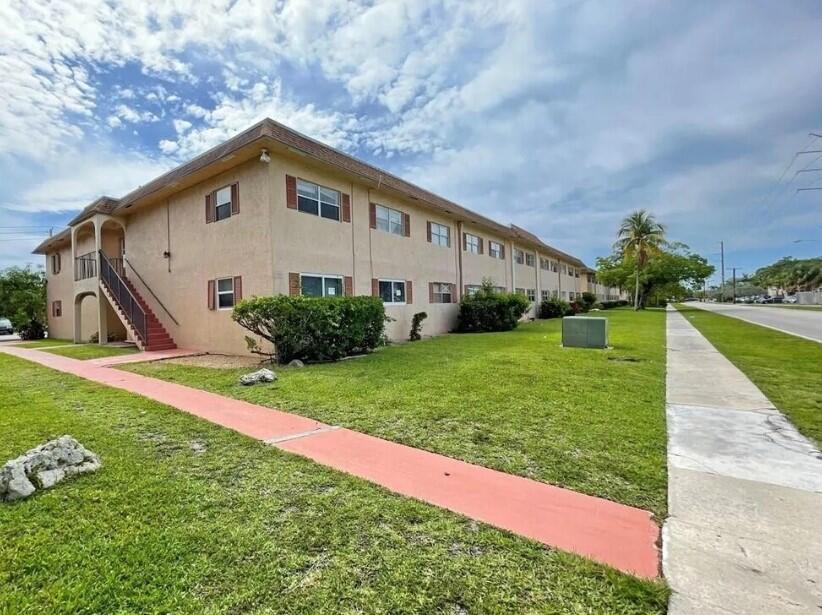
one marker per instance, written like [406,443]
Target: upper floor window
[389,220]
[222,203]
[225,293]
[56,263]
[321,285]
[519,257]
[439,234]
[544,263]
[473,244]
[496,249]
[529,259]
[392,292]
[318,200]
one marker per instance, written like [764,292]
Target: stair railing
[116,285]
[151,292]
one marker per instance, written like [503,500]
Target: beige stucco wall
[60,287]
[237,246]
[477,267]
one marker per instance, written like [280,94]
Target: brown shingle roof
[51,243]
[102,205]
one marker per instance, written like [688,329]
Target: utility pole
[722,285]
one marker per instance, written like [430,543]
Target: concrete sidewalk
[614,534]
[744,533]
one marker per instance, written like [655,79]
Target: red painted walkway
[610,533]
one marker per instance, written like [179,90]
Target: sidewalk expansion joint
[302,434]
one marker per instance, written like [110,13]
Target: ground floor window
[315,285]
[56,308]
[441,292]
[225,293]
[531,294]
[392,292]
[545,295]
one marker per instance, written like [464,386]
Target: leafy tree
[23,300]
[670,273]
[639,238]
[791,274]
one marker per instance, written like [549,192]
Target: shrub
[416,326]
[607,305]
[313,328]
[491,310]
[576,307]
[554,308]
[588,301]
[32,330]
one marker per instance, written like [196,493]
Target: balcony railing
[85,266]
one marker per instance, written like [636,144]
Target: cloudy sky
[557,116]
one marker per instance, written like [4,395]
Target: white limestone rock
[261,375]
[296,363]
[45,466]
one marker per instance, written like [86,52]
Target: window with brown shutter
[441,292]
[209,208]
[409,293]
[294,284]
[291,191]
[211,294]
[346,208]
[56,308]
[235,199]
[348,286]
[238,289]
[372,215]
[406,225]
[375,287]
[480,245]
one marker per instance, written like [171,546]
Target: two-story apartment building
[272,211]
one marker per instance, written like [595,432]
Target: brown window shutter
[502,252]
[453,293]
[372,215]
[211,297]
[209,210]
[428,230]
[375,287]
[430,292]
[465,242]
[294,284]
[406,225]
[291,191]
[235,199]
[448,238]
[480,242]
[409,292]
[348,286]
[238,289]
[346,208]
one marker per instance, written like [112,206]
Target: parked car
[790,299]
[5,327]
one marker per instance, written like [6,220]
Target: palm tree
[640,236]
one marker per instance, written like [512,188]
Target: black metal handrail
[148,288]
[85,266]
[116,285]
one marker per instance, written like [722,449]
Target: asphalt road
[803,323]
[9,338]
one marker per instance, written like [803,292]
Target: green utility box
[584,332]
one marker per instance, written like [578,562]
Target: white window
[529,259]
[392,292]
[315,285]
[519,257]
[544,264]
[495,249]
[222,203]
[545,295]
[318,200]
[440,234]
[56,263]
[554,266]
[472,243]
[520,291]
[441,292]
[555,294]
[571,295]
[471,289]
[389,220]
[531,294]
[225,293]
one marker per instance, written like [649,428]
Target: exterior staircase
[132,309]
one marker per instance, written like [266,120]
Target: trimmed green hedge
[491,310]
[607,305]
[554,308]
[314,328]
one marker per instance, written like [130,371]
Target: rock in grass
[45,466]
[296,363]
[261,375]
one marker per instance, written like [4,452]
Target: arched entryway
[86,316]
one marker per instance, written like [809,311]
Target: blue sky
[557,116]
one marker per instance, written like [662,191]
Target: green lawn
[245,528]
[43,343]
[590,420]
[84,352]
[788,369]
